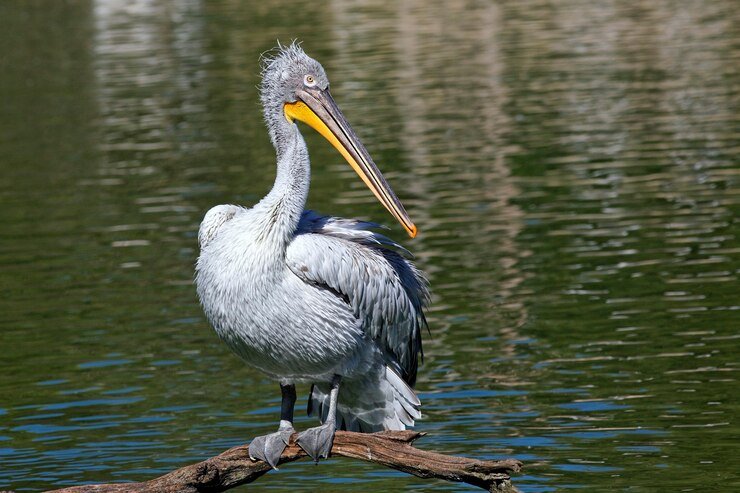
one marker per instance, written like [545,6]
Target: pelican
[306,298]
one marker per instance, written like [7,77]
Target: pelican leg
[270,447]
[317,441]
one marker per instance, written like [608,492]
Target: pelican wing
[372,274]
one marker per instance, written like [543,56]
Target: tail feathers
[369,405]
[406,403]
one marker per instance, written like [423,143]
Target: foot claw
[317,442]
[269,448]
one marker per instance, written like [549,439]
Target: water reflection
[152,95]
[449,127]
[571,167]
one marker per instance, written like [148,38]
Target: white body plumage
[303,297]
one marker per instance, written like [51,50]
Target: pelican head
[295,87]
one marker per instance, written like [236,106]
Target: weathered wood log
[389,448]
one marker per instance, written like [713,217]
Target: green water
[572,167]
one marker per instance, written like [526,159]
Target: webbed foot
[317,441]
[270,447]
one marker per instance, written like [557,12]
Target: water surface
[572,168]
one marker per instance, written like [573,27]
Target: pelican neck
[284,205]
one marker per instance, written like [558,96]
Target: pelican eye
[309,80]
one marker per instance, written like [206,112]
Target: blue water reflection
[572,168]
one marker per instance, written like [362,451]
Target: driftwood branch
[390,448]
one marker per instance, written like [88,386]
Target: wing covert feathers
[373,274]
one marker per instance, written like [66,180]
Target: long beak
[317,108]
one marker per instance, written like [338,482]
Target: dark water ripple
[572,168]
